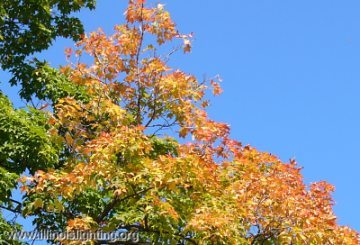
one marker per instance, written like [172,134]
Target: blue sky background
[291,78]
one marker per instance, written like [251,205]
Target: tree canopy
[129,145]
[26,28]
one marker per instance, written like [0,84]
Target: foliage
[23,135]
[122,169]
[24,145]
[48,83]
[28,26]
[6,228]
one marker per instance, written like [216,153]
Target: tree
[28,27]
[123,168]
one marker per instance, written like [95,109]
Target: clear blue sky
[291,78]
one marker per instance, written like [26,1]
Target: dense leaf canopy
[26,28]
[128,145]
[126,170]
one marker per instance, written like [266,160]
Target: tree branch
[16,210]
[138,119]
[115,202]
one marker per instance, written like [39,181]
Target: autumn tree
[122,163]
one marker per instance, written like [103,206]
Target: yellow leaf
[38,203]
